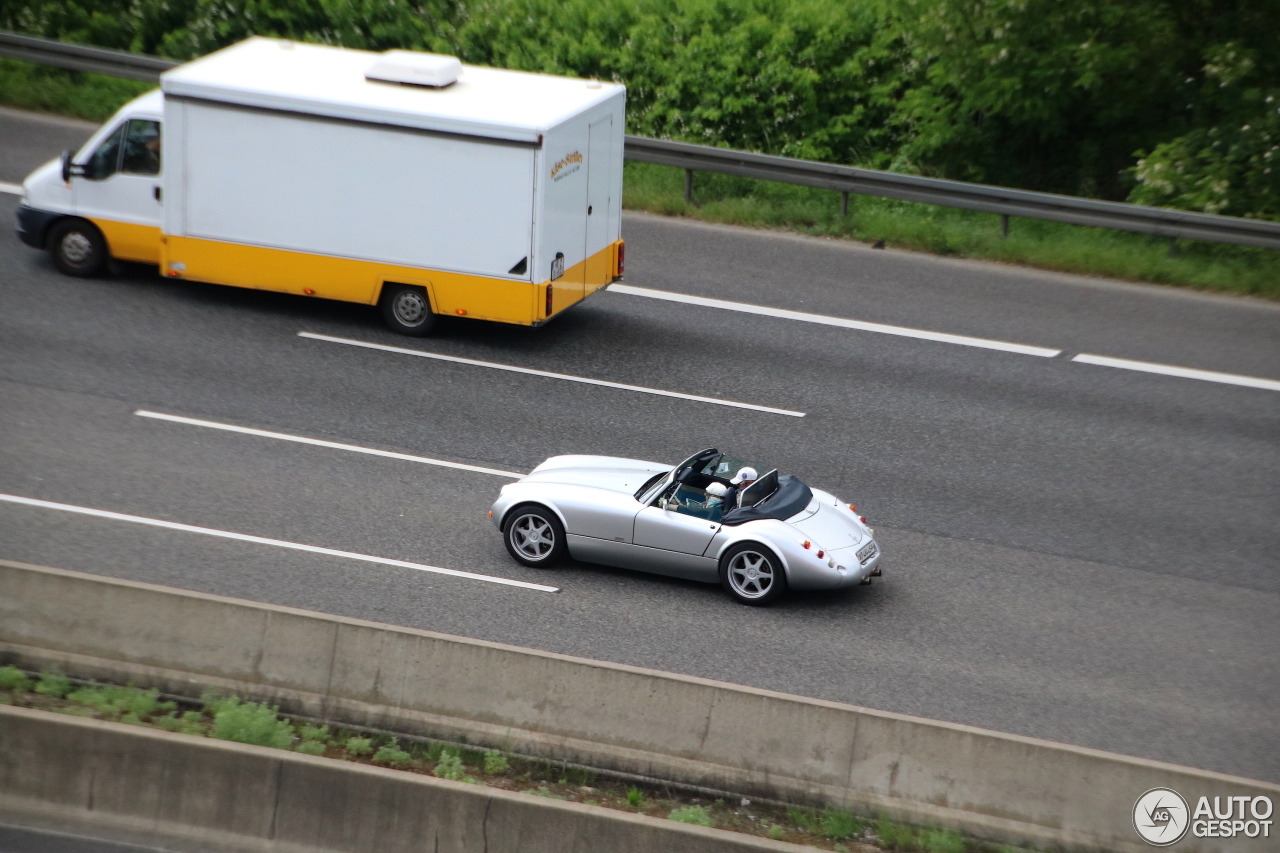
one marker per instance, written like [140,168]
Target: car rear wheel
[406,309]
[752,574]
[77,247]
[534,536]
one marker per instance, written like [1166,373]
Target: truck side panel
[354,191]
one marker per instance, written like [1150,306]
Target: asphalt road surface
[1075,552]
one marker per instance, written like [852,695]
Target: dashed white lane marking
[548,375]
[841,322]
[160,416]
[1184,372]
[259,540]
[15,189]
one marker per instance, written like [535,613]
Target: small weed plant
[250,722]
[359,746]
[496,763]
[697,815]
[311,747]
[392,755]
[942,841]
[840,823]
[450,766]
[635,797]
[53,684]
[319,734]
[776,832]
[14,679]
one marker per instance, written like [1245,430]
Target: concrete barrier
[612,716]
[154,788]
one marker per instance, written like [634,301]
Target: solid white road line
[515,475]
[15,189]
[549,375]
[823,320]
[1184,372]
[259,540]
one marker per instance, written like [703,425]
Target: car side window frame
[116,137]
[129,127]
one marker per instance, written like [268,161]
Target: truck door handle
[156,192]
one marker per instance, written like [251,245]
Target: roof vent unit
[413,68]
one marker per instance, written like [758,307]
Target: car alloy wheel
[750,574]
[533,537]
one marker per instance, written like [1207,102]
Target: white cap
[747,473]
[718,489]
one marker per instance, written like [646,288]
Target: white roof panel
[330,81]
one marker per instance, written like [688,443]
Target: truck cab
[104,200]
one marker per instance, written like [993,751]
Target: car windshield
[649,483]
[724,466]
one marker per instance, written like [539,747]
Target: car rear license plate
[867,553]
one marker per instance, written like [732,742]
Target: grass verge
[764,204]
[230,718]
[953,232]
[78,94]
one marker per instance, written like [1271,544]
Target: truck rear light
[548,300]
[622,256]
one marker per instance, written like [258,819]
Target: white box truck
[403,179]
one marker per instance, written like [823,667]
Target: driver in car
[745,477]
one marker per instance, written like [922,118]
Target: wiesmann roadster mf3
[757,541]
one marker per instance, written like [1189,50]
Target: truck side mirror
[69,168]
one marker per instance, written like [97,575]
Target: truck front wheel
[406,309]
[77,247]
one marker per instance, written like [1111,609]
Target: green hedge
[1170,102]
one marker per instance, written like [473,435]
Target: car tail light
[852,507]
[491,513]
[622,256]
[864,519]
[806,544]
[821,554]
[548,300]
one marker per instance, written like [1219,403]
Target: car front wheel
[534,536]
[752,574]
[77,247]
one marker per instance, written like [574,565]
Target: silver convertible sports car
[757,540]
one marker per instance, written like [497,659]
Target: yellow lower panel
[130,242]
[596,272]
[348,280]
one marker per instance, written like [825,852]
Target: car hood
[598,472]
[828,527]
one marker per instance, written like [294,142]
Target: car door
[673,539]
[120,190]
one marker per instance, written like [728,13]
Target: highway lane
[1076,553]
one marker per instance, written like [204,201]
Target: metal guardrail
[1005,201]
[80,57]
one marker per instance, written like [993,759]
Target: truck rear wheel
[406,309]
[77,247]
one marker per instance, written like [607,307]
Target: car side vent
[415,68]
[520,268]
